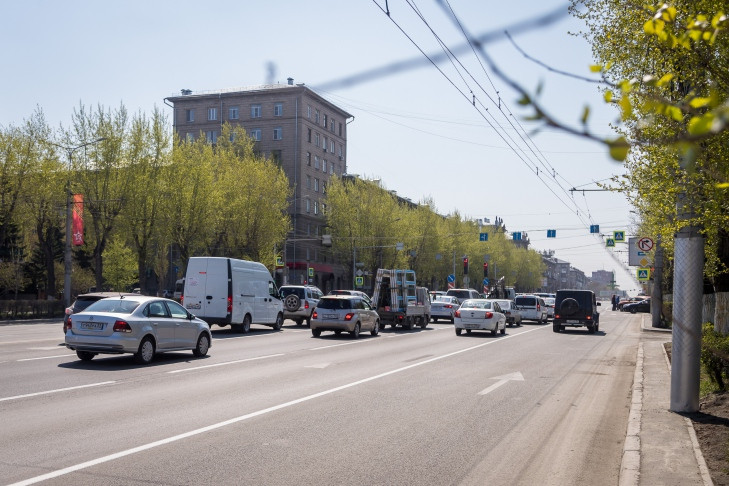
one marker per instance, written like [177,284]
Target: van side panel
[244,292]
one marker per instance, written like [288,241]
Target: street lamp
[67,257]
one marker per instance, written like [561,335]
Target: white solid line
[224,364]
[16,397]
[47,357]
[185,435]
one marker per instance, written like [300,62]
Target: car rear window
[292,290]
[461,294]
[82,303]
[118,306]
[525,301]
[325,303]
[476,304]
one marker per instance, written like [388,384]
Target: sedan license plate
[572,321]
[471,326]
[92,326]
[329,316]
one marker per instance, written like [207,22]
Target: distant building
[298,129]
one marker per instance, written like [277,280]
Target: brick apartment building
[301,131]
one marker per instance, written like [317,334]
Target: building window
[278,109]
[331,146]
[308,159]
[308,229]
[308,205]
[255,111]
[308,112]
[277,133]
[233,113]
[324,143]
[340,151]
[326,121]
[212,114]
[323,187]
[190,115]
[331,126]
[276,157]
[211,136]
[190,136]
[316,162]
[316,139]
[324,166]
[316,116]
[308,182]
[340,129]
[256,134]
[308,135]
[316,207]
[316,185]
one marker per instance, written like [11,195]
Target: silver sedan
[480,315]
[139,325]
[444,307]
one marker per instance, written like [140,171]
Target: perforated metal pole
[688,288]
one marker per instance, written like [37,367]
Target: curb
[630,463]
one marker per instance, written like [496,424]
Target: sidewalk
[660,445]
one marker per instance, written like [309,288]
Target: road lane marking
[58,390]
[47,357]
[241,418]
[224,364]
[503,379]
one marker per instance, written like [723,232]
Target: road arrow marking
[516,376]
[318,366]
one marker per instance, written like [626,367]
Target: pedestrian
[615,302]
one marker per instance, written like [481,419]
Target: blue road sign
[551,233]
[451,278]
[485,281]
[594,228]
[483,237]
[516,235]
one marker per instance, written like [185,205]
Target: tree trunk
[721,286]
[721,313]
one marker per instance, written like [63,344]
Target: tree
[120,266]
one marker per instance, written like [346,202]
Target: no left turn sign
[645,244]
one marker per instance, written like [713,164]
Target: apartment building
[301,131]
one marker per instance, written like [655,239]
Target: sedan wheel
[458,331]
[146,351]
[496,329]
[355,333]
[316,332]
[203,344]
[503,329]
[375,330]
[85,355]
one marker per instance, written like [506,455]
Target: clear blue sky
[414,130]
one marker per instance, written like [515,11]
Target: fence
[31,309]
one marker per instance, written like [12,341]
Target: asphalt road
[405,407]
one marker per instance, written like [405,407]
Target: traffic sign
[485,281]
[311,271]
[451,278]
[594,228]
[644,274]
[619,236]
[551,233]
[645,244]
[483,237]
[610,242]
[279,262]
[359,281]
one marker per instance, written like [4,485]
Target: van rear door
[206,289]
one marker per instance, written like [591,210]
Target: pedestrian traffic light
[485,269]
[465,265]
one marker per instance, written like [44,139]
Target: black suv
[576,308]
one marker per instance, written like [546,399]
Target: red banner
[78,220]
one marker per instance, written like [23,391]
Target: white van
[226,291]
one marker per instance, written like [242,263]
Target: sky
[454,134]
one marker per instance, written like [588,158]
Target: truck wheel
[591,329]
[246,326]
[279,322]
[424,322]
[407,323]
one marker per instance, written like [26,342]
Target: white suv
[299,302]
[532,308]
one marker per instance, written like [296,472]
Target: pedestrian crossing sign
[610,242]
[644,274]
[359,281]
[619,236]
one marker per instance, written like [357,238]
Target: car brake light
[122,326]
[306,304]
[314,315]
[458,313]
[349,316]
[181,299]
[588,317]
[489,315]
[538,307]
[448,306]
[68,324]
[557,316]
[230,304]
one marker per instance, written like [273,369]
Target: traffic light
[485,269]
[465,265]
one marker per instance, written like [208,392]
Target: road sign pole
[657,290]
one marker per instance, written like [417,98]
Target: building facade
[302,132]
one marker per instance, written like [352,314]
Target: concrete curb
[630,463]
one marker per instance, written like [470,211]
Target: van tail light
[230,304]
[489,315]
[349,316]
[306,304]
[315,315]
[539,307]
[458,313]
[122,326]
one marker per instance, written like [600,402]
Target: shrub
[715,355]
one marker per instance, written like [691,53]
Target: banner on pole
[78,220]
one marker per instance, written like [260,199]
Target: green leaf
[665,79]
[700,125]
[723,185]
[699,102]
[618,148]
[585,115]
[595,68]
[626,106]
[608,96]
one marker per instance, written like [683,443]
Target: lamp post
[67,256]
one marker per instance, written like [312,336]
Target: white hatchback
[532,308]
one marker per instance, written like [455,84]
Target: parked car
[139,325]
[85,300]
[549,302]
[513,315]
[532,308]
[576,308]
[349,313]
[444,307]
[358,293]
[463,294]
[639,306]
[299,302]
[480,315]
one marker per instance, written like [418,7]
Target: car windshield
[476,304]
[292,290]
[549,301]
[334,303]
[117,306]
[444,298]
